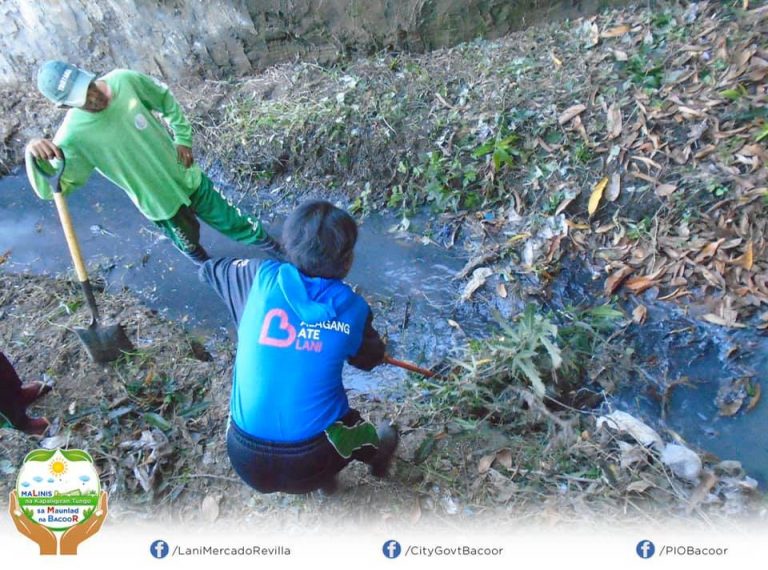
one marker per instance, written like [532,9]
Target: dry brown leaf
[708,250]
[637,285]
[613,122]
[479,277]
[744,56]
[664,190]
[415,515]
[564,204]
[721,321]
[501,290]
[689,113]
[648,162]
[641,176]
[747,260]
[679,292]
[504,457]
[443,102]
[605,228]
[705,152]
[570,113]
[640,314]
[597,194]
[579,127]
[758,74]
[545,146]
[631,454]
[702,490]
[594,35]
[615,32]
[714,279]
[753,150]
[639,486]
[210,508]
[731,243]
[614,187]
[615,279]
[485,463]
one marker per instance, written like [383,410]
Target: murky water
[410,287]
[669,347]
[408,283]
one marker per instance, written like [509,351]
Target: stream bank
[517,154]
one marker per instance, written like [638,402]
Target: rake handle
[408,366]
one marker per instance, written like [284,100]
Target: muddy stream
[411,289]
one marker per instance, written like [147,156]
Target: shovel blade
[104,344]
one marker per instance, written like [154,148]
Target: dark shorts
[298,467]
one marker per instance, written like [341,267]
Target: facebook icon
[645,549]
[159,549]
[391,549]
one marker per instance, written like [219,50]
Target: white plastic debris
[624,422]
[683,462]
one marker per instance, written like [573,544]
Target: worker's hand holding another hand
[185,156]
[45,149]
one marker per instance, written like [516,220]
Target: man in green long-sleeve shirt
[111,127]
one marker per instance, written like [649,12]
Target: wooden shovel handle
[408,366]
[74,246]
[66,222]
[69,235]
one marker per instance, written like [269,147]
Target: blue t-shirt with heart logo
[294,334]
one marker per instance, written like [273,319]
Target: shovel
[103,343]
[408,366]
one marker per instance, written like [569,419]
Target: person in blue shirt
[291,427]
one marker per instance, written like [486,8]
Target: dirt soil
[635,138]
[154,421]
[155,424]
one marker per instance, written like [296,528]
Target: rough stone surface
[173,39]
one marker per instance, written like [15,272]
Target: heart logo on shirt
[284,326]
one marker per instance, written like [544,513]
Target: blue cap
[64,84]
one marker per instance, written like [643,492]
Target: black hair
[319,239]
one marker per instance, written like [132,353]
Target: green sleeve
[156,95]
[39,173]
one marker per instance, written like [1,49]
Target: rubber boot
[388,440]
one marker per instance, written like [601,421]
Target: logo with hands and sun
[58,492]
